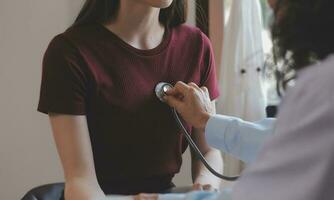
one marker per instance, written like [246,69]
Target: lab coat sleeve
[199,195]
[239,138]
[297,162]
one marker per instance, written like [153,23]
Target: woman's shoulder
[66,47]
[60,46]
[74,35]
[187,29]
[191,34]
[82,31]
[71,39]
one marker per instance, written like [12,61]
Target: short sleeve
[64,83]
[209,75]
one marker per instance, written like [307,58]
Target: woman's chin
[158,3]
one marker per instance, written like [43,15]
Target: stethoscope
[160,91]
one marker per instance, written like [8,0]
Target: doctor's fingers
[191,84]
[197,88]
[205,91]
[174,102]
[180,88]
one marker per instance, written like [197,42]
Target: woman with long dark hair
[296,162]
[112,134]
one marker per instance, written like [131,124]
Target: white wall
[27,152]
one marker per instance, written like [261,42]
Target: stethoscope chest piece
[161,89]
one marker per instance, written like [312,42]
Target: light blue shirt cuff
[239,138]
[215,131]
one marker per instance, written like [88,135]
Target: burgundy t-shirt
[137,145]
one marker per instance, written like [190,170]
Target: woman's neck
[137,24]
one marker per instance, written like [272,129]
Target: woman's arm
[201,176]
[73,144]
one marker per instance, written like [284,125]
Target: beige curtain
[216,29]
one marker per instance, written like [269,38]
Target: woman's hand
[206,187]
[191,102]
[83,189]
[146,197]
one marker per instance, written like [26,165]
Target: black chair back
[46,192]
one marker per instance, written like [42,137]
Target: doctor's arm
[235,136]
[241,139]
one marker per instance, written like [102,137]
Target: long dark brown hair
[302,35]
[103,11]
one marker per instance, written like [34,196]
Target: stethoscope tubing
[198,153]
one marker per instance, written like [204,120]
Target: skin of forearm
[83,189]
[200,174]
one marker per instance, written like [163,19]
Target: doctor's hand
[191,102]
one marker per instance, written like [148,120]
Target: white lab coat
[240,82]
[242,61]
